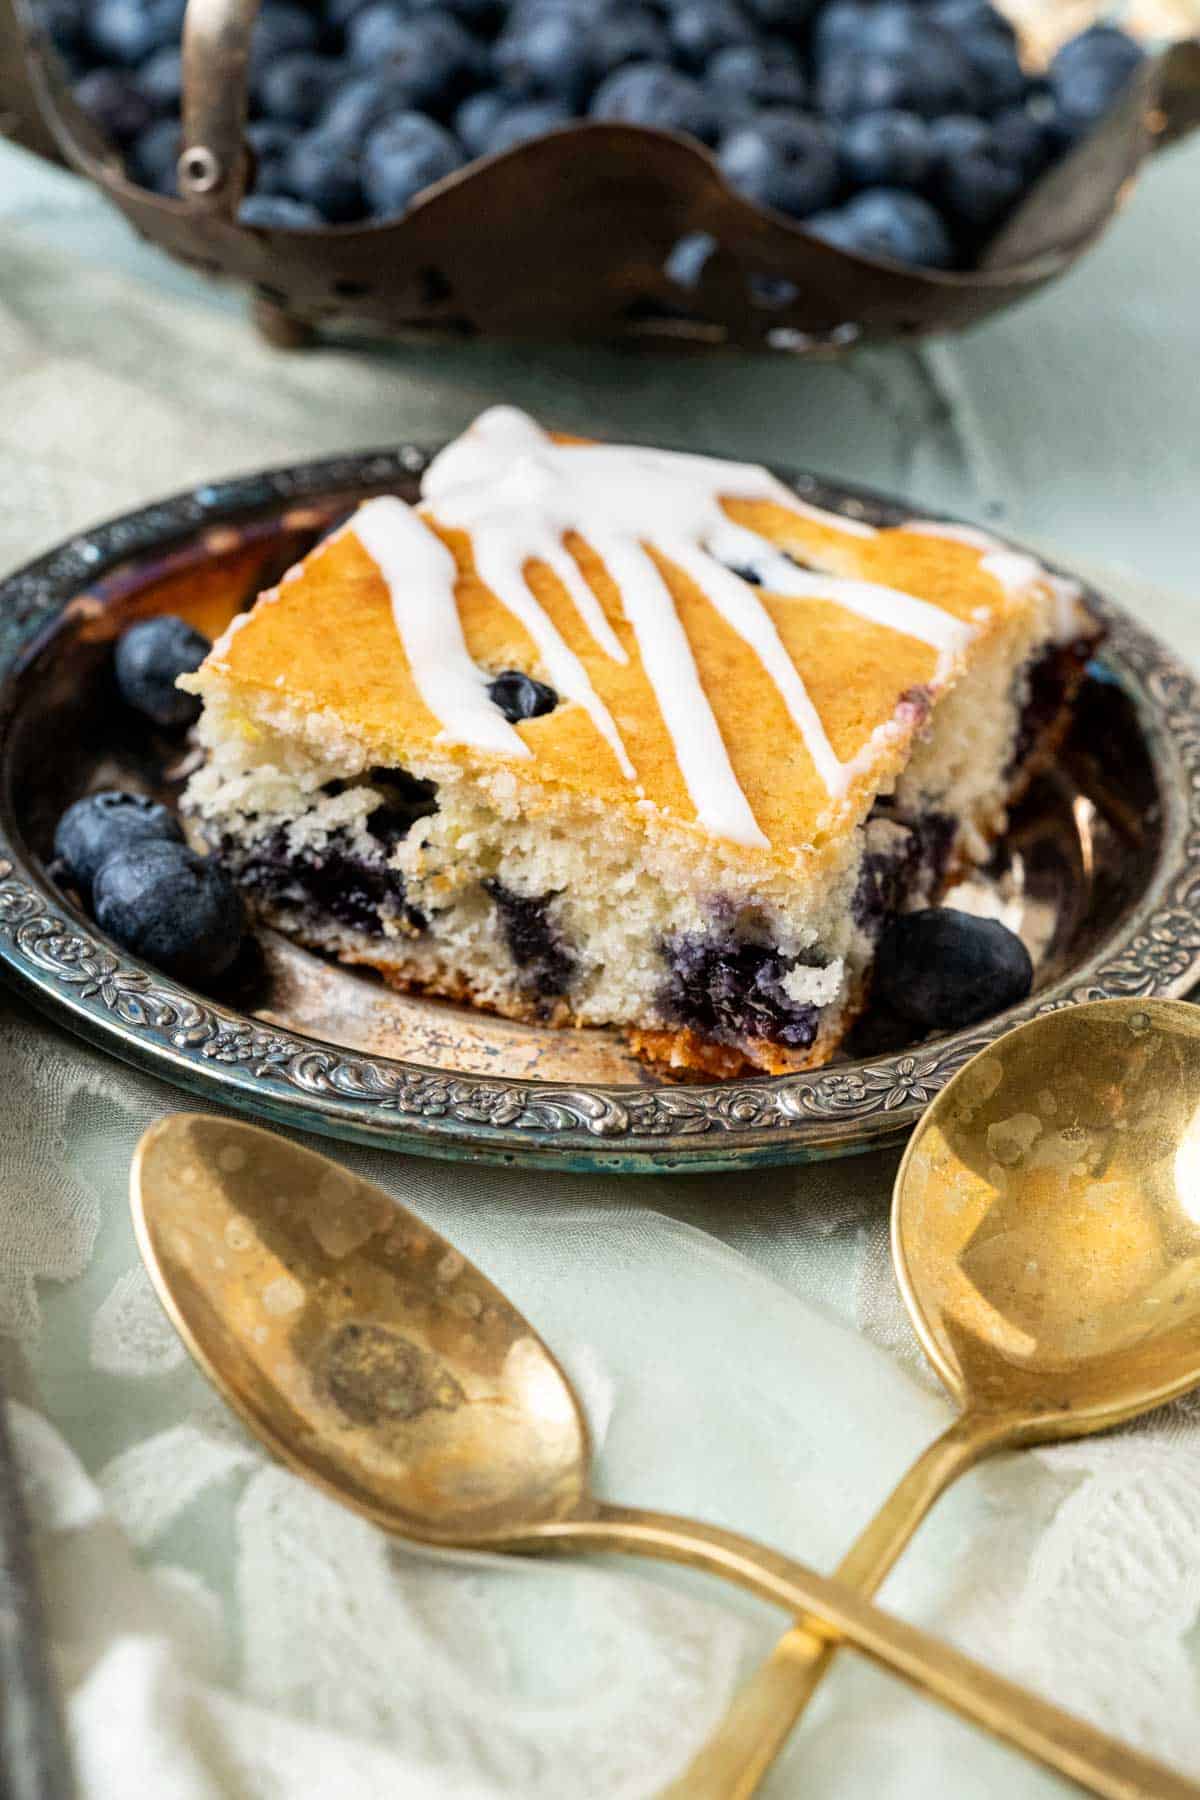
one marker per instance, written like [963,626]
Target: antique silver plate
[1100,872]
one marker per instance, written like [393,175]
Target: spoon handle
[765,1710]
[1065,1744]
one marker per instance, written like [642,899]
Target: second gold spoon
[1046,1237]
[367,1353]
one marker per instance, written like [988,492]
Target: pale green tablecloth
[223,1631]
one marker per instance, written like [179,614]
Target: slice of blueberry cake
[609,736]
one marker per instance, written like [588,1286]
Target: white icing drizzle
[421,576]
[519,495]
[1015,570]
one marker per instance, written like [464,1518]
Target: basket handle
[214,165]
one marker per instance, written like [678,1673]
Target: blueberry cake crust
[600,735]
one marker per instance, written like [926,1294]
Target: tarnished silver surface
[1101,872]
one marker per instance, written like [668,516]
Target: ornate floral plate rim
[139,1015]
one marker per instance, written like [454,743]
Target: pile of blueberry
[124,854]
[899,128]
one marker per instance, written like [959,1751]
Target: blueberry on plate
[323,171]
[160,78]
[91,829]
[1089,74]
[294,88]
[149,657]
[154,156]
[547,54]
[521,697]
[974,182]
[652,94]
[403,157]
[277,212]
[886,149]
[175,909]
[942,969]
[757,75]
[699,28]
[114,103]
[526,120]
[782,159]
[890,223]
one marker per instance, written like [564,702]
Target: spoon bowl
[360,1346]
[1046,1239]
[1046,1230]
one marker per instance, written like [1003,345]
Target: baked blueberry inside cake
[601,735]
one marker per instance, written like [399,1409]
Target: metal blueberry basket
[569,237]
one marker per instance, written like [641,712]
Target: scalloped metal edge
[70,971]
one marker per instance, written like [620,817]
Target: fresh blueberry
[402,158]
[477,15]
[65,24]
[270,144]
[784,159]
[787,16]
[973,182]
[435,59]
[651,94]
[175,909]
[371,31]
[997,67]
[887,222]
[322,171]
[526,120]
[885,149]
[1022,140]
[95,826]
[294,88]
[280,28]
[967,18]
[128,31]
[361,103]
[632,34]
[1090,73]
[942,969]
[160,78]
[149,658]
[521,697]
[757,75]
[276,212]
[699,28]
[546,55]
[689,257]
[475,118]
[154,156]
[840,25]
[915,66]
[114,103]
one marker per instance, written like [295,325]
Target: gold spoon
[367,1353]
[1046,1237]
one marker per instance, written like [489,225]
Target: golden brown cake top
[725,655]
